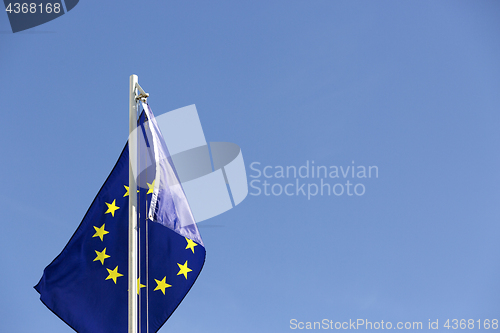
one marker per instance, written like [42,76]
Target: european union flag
[86,284]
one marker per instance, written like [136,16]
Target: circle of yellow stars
[113,274]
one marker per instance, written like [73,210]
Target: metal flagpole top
[143,96]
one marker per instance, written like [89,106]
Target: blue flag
[86,284]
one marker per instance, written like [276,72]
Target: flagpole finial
[143,96]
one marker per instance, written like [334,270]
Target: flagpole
[132,209]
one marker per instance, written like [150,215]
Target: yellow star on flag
[190,244]
[184,269]
[100,232]
[151,187]
[113,274]
[162,285]
[101,256]
[111,208]
[127,193]
[139,285]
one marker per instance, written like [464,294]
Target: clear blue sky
[411,87]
